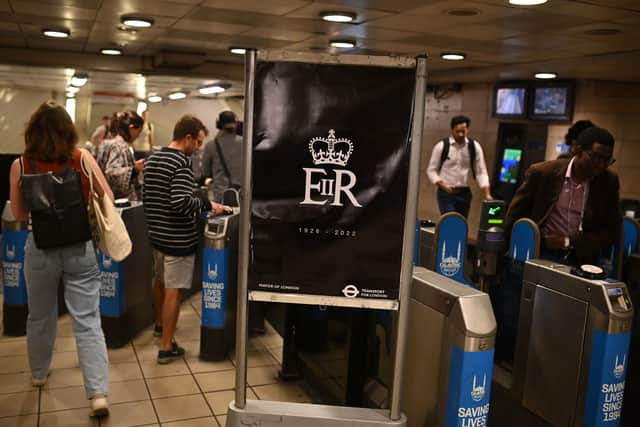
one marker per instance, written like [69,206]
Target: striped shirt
[170,207]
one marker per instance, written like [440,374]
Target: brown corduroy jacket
[540,190]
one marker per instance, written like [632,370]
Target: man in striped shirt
[172,212]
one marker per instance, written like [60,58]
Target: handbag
[111,234]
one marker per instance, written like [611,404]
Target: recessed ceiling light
[462,12]
[209,90]
[111,51]
[545,75]
[343,44]
[79,80]
[338,16]
[72,89]
[60,33]
[154,98]
[136,21]
[237,50]
[177,95]
[602,32]
[527,2]
[453,56]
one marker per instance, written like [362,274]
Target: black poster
[330,171]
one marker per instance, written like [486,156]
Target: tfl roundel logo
[350,291]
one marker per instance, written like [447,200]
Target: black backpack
[56,203]
[472,154]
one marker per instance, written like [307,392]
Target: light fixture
[136,21]
[209,90]
[142,107]
[59,33]
[545,75]
[338,16]
[72,89]
[527,2]
[177,95]
[79,80]
[237,50]
[154,98]
[343,44]
[453,56]
[70,106]
[111,51]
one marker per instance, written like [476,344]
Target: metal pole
[245,225]
[410,214]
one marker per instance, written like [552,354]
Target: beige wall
[613,105]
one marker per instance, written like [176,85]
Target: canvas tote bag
[111,237]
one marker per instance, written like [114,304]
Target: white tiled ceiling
[499,39]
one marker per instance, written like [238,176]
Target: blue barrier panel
[15,289]
[469,388]
[630,236]
[452,244]
[214,284]
[523,245]
[111,290]
[607,373]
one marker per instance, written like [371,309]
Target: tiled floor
[187,392]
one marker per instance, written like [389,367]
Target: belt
[459,189]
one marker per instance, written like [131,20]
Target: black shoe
[166,356]
[157,331]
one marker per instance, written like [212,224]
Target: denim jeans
[458,202]
[77,265]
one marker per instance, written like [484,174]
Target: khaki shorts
[176,272]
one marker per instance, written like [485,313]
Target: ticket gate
[449,359]
[219,283]
[125,294]
[572,346]
[426,239]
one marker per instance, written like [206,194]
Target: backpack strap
[445,153]
[224,163]
[472,156]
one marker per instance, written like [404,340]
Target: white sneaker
[99,406]
[39,382]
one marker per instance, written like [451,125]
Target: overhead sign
[331,149]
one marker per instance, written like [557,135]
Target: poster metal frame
[400,304]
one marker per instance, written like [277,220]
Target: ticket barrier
[572,347]
[219,284]
[125,294]
[450,348]
[425,244]
[630,409]
[15,305]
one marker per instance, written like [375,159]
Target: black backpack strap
[472,156]
[32,163]
[445,153]
[224,163]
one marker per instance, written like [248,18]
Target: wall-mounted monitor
[510,167]
[552,101]
[510,100]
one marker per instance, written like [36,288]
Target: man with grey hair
[222,157]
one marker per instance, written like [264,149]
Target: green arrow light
[494,211]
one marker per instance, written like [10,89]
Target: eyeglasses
[599,158]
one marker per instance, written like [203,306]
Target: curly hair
[50,135]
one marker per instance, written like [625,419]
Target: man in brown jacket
[573,201]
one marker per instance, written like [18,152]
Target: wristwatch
[567,242]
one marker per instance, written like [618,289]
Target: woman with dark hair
[50,147]
[116,156]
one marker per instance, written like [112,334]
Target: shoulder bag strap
[224,163]
[444,154]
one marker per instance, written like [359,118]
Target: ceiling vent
[462,12]
[602,32]
[178,60]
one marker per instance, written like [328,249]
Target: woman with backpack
[116,159]
[49,188]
